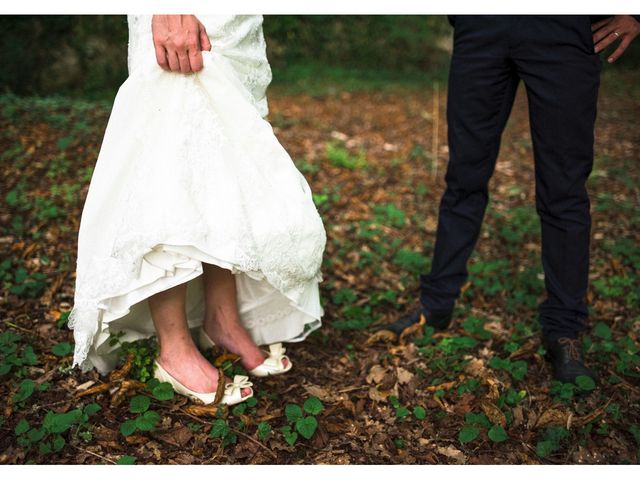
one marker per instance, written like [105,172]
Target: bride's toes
[246,392]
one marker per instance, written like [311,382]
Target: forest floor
[480,392]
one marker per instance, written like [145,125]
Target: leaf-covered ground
[479,393]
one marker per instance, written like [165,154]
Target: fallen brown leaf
[453,453]
[493,413]
[381,336]
[552,416]
[404,376]
[202,410]
[376,374]
[122,372]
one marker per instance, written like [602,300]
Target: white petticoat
[190,172]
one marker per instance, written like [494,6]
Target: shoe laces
[572,343]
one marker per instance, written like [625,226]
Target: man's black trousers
[554,57]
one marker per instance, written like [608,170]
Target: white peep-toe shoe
[226,393]
[272,365]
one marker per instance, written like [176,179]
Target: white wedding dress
[190,172]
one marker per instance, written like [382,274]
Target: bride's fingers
[172,58]
[195,60]
[183,59]
[161,57]
[205,43]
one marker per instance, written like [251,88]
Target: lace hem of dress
[115,273]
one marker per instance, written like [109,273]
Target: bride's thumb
[205,43]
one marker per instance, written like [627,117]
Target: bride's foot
[193,371]
[233,337]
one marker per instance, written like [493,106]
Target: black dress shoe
[566,358]
[439,320]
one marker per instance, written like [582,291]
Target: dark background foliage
[88,54]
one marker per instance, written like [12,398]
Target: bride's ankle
[176,354]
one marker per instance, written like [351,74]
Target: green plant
[475,424]
[475,326]
[264,429]
[22,283]
[299,423]
[389,214]
[512,397]
[400,410]
[468,433]
[517,226]
[468,386]
[411,261]
[344,296]
[624,350]
[145,421]
[477,419]
[626,250]
[161,391]
[562,392]
[389,297]
[144,352]
[527,287]
[517,369]
[58,167]
[488,278]
[618,286]
[25,390]
[551,440]
[62,349]
[340,157]
[585,383]
[497,434]
[126,460]
[320,199]
[63,321]
[14,357]
[355,317]
[445,355]
[45,209]
[48,437]
[18,198]
[221,429]
[289,435]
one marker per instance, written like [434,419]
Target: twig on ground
[626,384]
[94,454]
[242,434]
[18,327]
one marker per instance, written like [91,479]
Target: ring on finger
[616,34]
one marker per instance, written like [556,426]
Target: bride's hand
[179,41]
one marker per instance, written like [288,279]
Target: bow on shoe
[272,365]
[276,354]
[239,382]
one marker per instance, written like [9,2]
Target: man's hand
[619,27]
[179,41]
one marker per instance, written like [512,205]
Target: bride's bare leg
[221,320]
[178,353]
